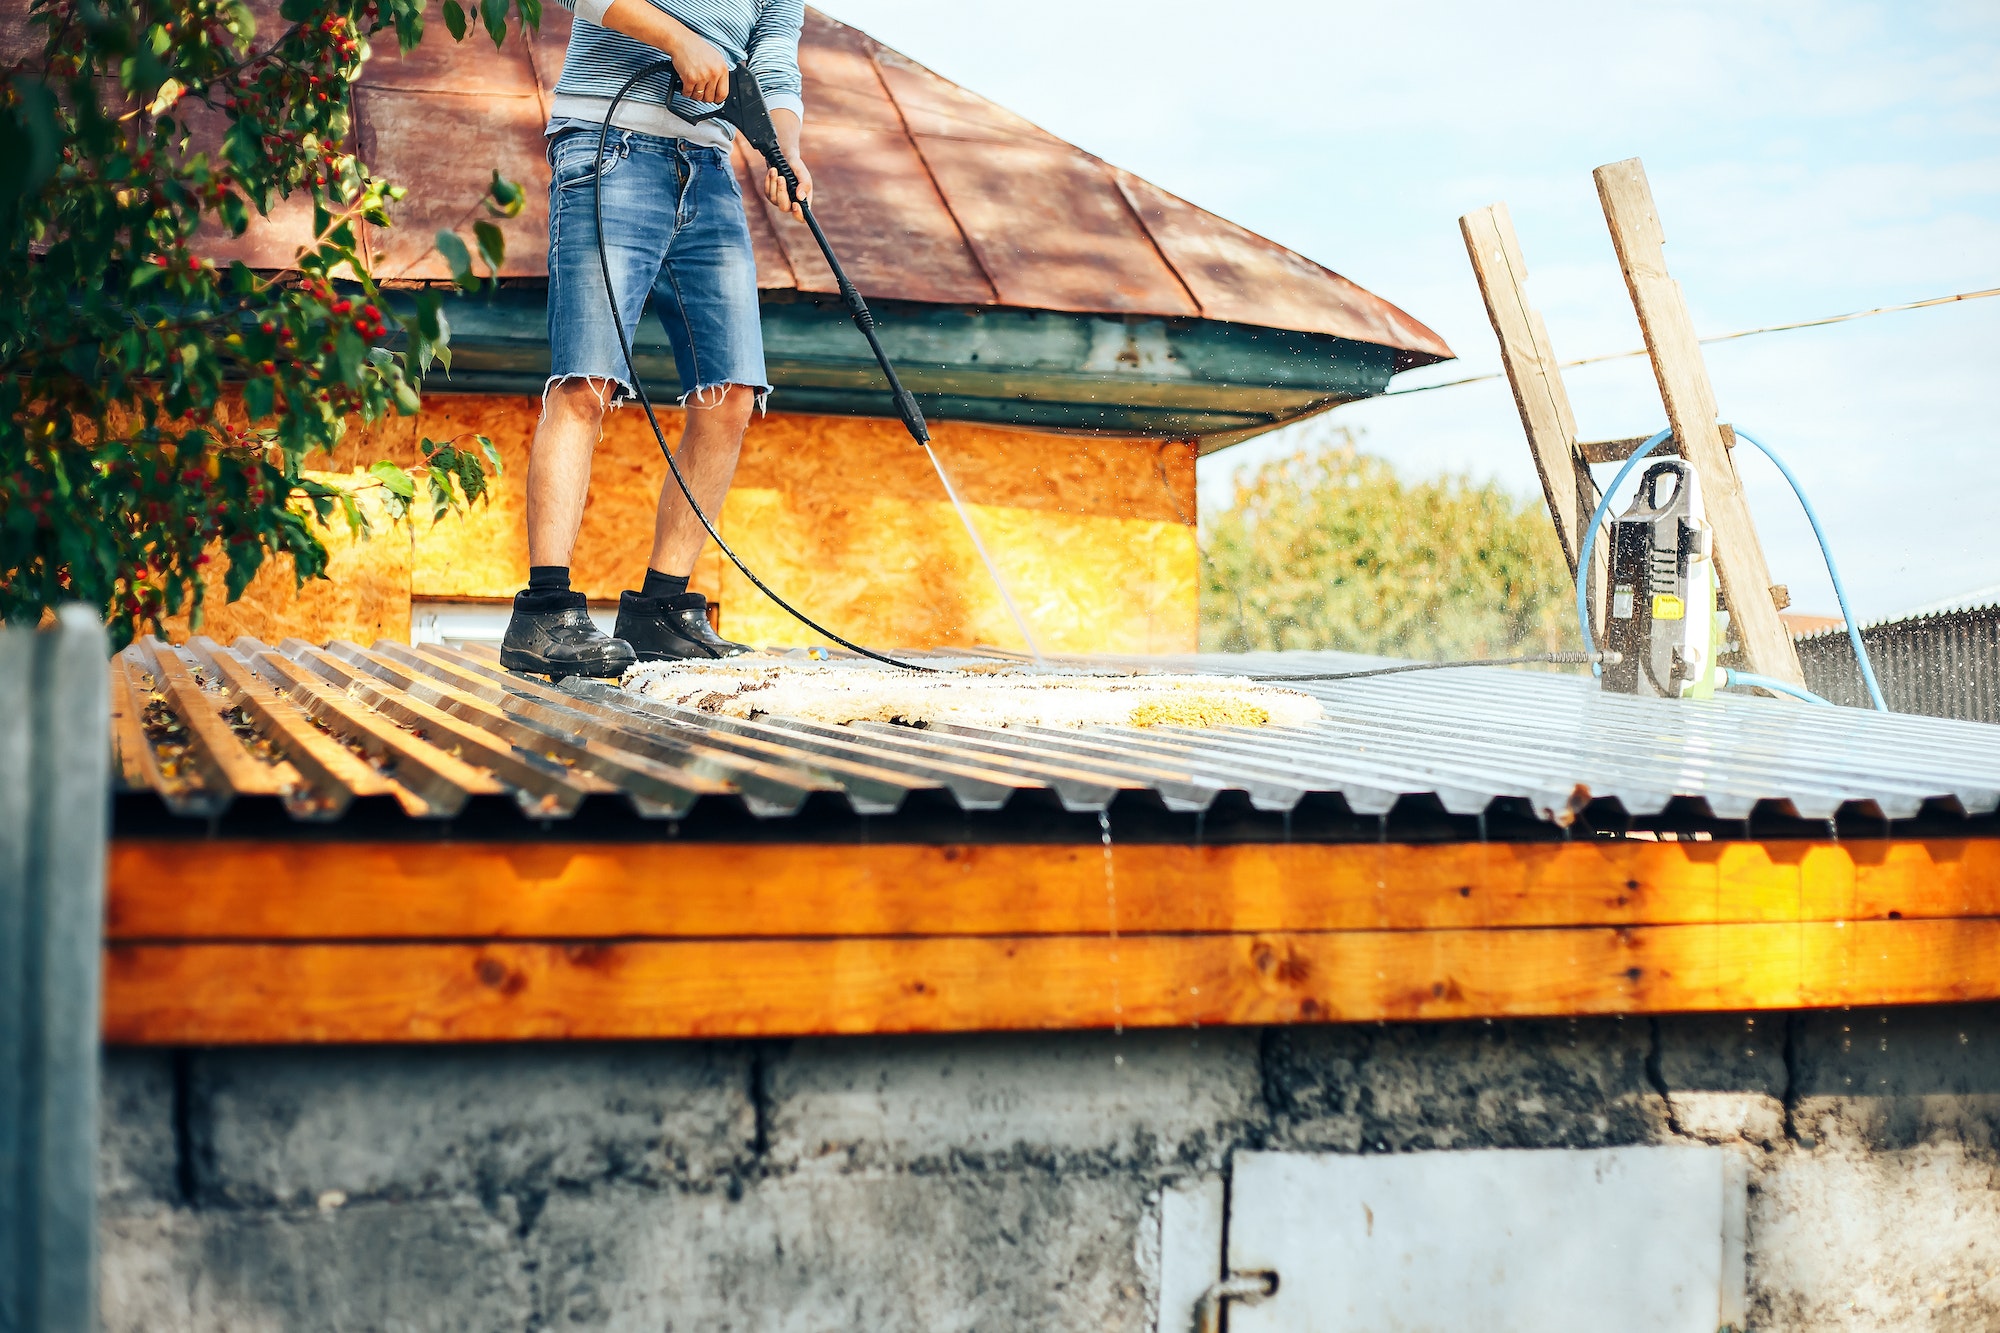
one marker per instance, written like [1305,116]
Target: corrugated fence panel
[1945,665]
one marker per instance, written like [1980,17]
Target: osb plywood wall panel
[903,573]
[484,553]
[846,517]
[842,515]
[365,596]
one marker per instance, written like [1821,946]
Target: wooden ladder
[1563,461]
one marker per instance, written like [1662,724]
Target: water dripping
[1111,921]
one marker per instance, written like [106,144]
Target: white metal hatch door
[1644,1240]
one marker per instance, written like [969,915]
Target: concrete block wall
[985,1182]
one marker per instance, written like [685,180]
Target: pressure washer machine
[1663,589]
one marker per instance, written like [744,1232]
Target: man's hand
[703,72]
[787,125]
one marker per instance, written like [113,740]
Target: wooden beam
[223,941]
[1530,359]
[217,994]
[1690,402]
[1612,451]
[180,891]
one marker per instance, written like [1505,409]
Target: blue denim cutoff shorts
[673,228]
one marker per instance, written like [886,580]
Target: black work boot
[662,629]
[552,634]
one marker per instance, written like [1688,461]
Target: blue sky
[1807,158]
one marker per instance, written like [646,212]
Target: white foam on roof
[982,695]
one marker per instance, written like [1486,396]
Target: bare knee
[578,399]
[725,405]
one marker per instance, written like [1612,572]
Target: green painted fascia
[1047,370]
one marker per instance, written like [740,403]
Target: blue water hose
[1839,588]
[1730,677]
[1590,541]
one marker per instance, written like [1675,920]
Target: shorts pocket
[573,159]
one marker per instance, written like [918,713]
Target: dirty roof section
[299,740]
[932,193]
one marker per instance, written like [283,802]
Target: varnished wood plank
[1675,351]
[337,775]
[1532,370]
[138,766]
[178,890]
[226,765]
[436,781]
[264,993]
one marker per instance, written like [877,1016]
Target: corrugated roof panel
[437,727]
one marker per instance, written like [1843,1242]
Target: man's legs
[663,619]
[551,629]
[711,442]
[559,466]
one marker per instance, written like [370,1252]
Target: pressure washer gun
[745,109]
[1663,585]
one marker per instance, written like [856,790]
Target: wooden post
[1530,359]
[54,794]
[17,674]
[1690,402]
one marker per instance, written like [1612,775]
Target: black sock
[662,586]
[548,590]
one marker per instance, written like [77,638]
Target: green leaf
[505,197]
[460,260]
[30,146]
[430,317]
[454,20]
[234,215]
[493,13]
[350,351]
[491,451]
[492,246]
[260,398]
[394,479]
[531,14]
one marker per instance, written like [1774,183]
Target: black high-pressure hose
[1557,659]
[746,104]
[745,110]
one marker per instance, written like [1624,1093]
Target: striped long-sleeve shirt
[763,32]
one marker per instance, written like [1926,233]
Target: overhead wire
[1716,338]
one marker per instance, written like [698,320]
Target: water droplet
[1111,924]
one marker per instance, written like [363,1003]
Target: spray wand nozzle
[744,108]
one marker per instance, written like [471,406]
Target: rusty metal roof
[394,739]
[930,193]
